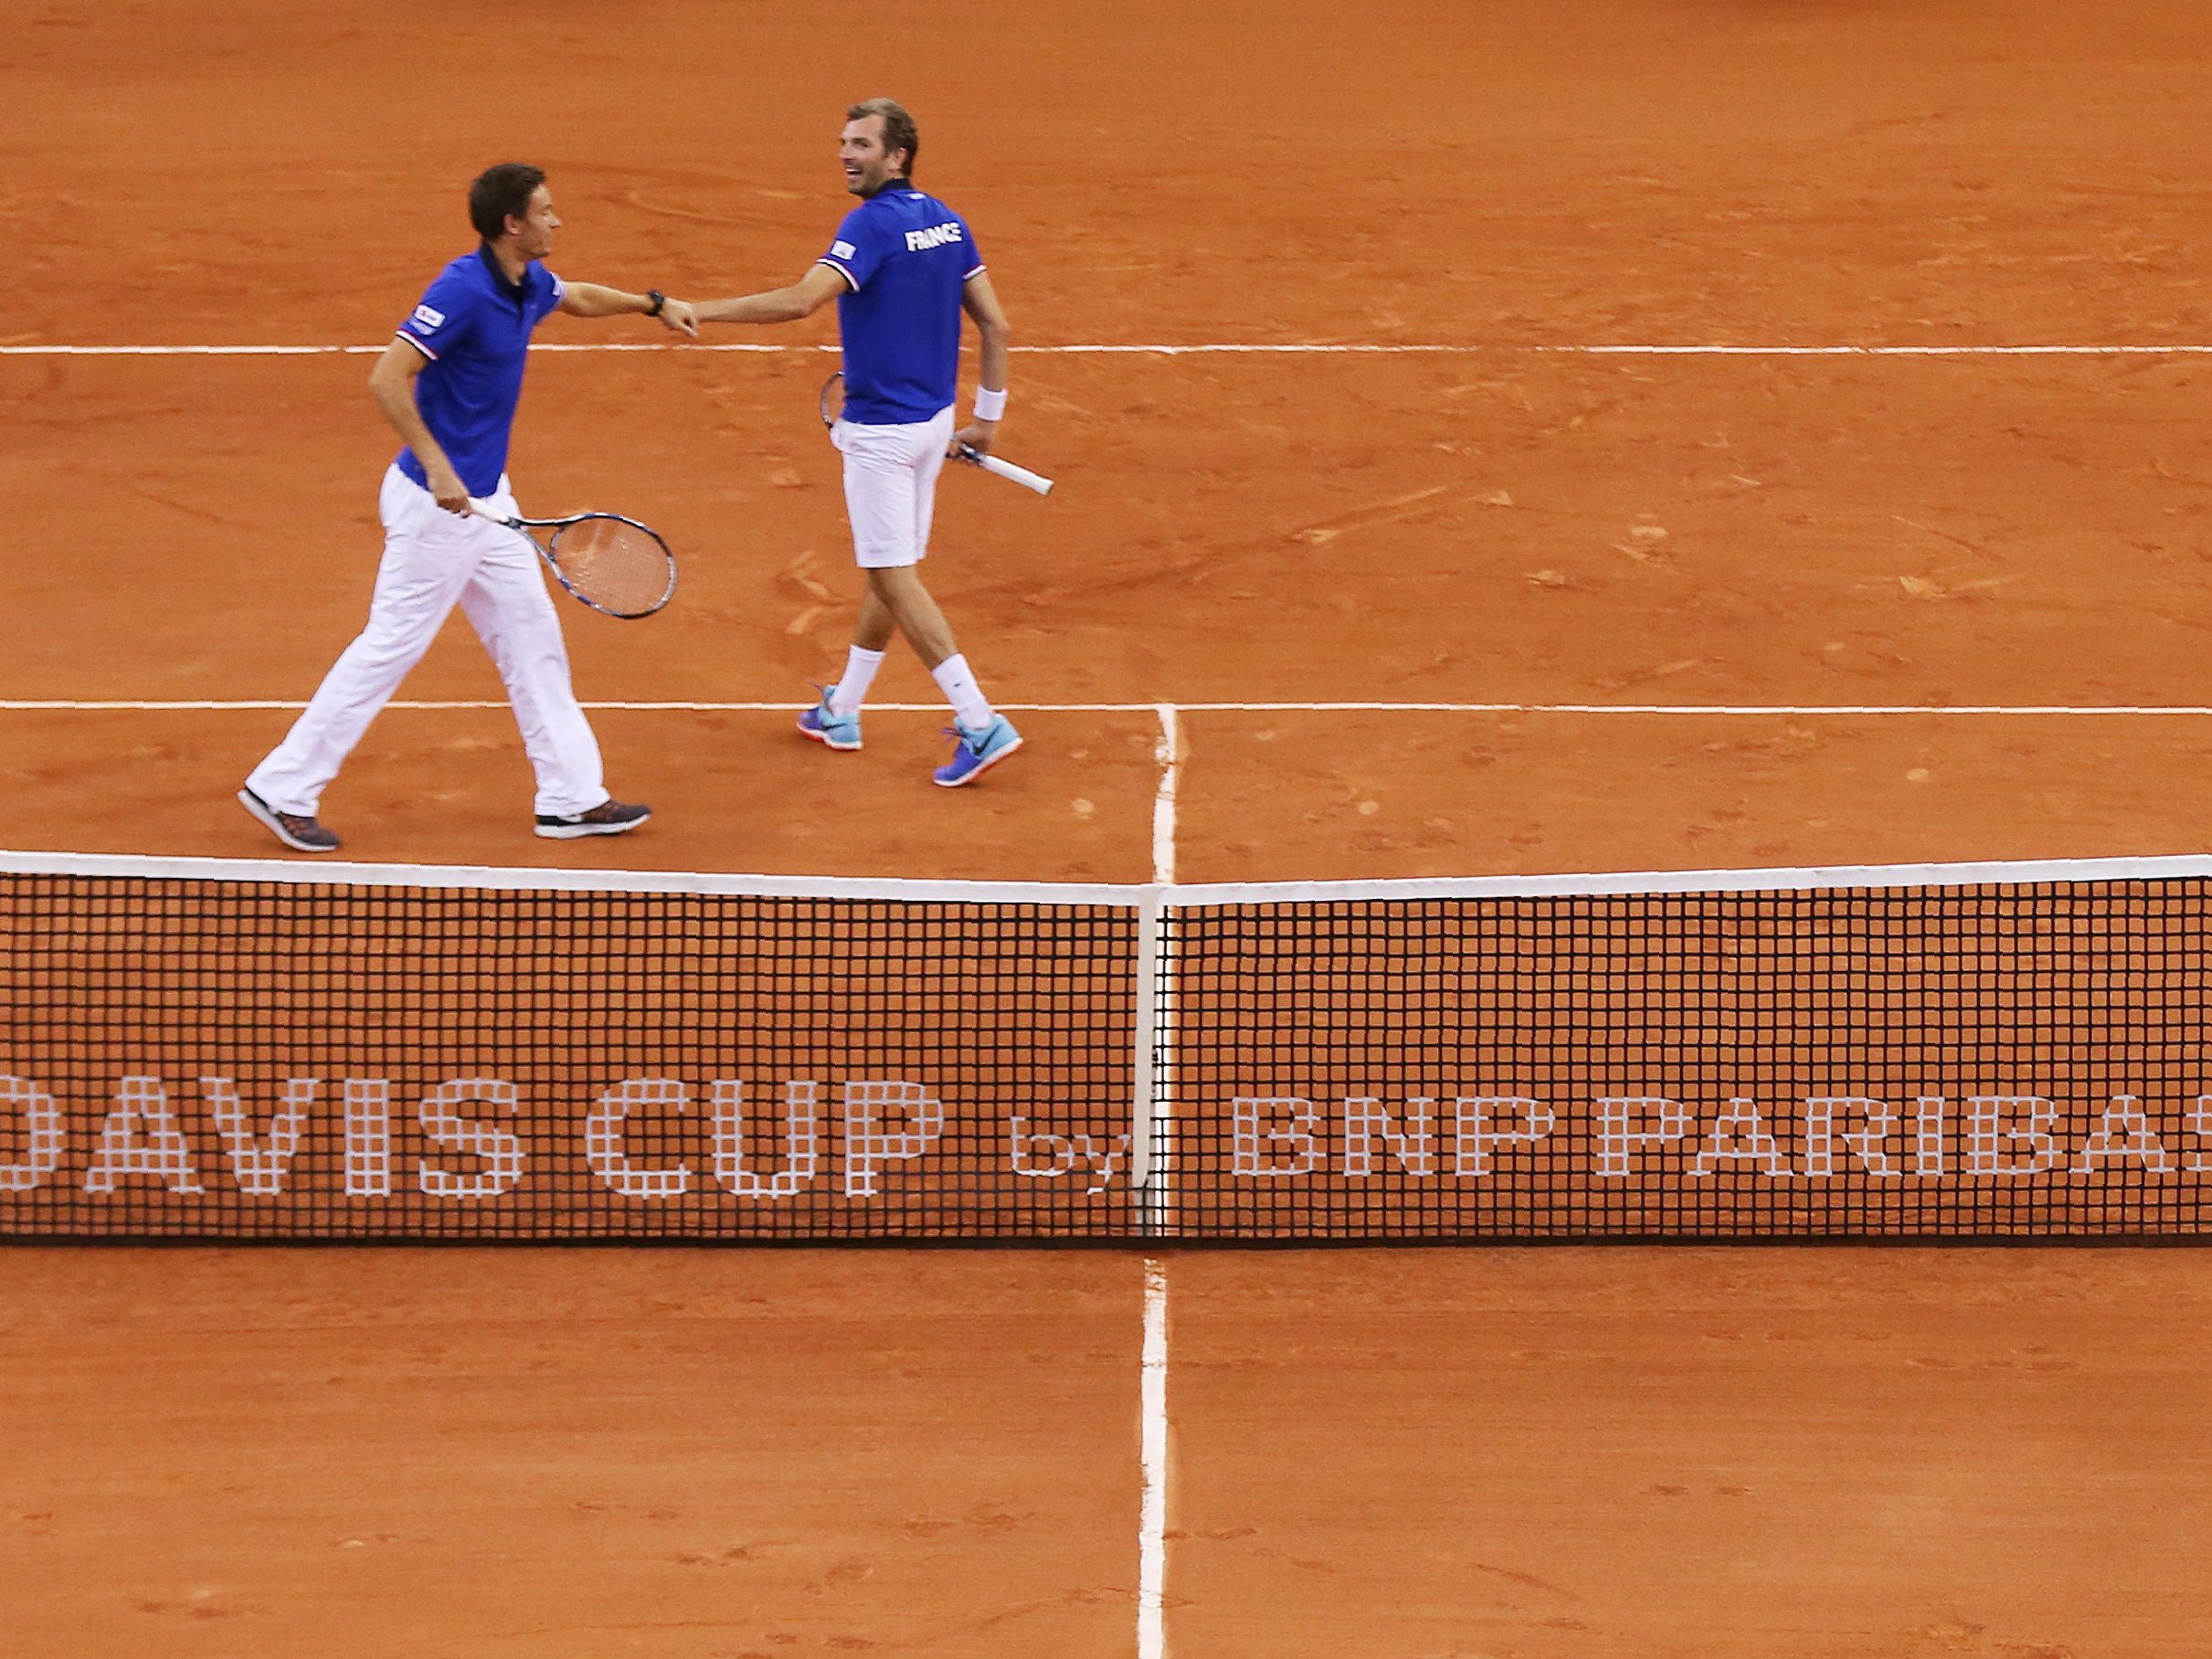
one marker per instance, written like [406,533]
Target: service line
[1203,349]
[1168,712]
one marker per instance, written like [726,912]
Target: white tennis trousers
[433,559]
[890,486]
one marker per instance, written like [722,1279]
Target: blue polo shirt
[474,326]
[904,257]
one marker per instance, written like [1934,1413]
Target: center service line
[1151,1144]
[1158,1127]
[1153,1536]
[1163,803]
[1152,1531]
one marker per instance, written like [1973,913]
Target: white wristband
[989,405]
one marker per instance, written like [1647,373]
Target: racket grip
[1007,469]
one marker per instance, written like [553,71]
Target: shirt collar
[515,291]
[888,187]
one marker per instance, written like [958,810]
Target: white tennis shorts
[890,486]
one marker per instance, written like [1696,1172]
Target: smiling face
[532,232]
[867,164]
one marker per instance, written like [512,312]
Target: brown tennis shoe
[610,817]
[296,831]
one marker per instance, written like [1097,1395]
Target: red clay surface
[517,1453]
[1793,1453]
[1848,1454]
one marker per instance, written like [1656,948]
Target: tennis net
[200,1048]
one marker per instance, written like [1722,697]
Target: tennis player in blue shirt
[448,384]
[902,268]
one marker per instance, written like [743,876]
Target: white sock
[852,686]
[969,706]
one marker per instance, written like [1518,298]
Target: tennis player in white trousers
[448,384]
[902,268]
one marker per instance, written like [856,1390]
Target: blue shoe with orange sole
[976,751]
[834,731]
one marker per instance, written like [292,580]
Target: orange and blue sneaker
[836,731]
[976,751]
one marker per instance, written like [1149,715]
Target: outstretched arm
[821,285]
[590,300]
[981,303]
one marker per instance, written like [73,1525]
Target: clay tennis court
[1662,610]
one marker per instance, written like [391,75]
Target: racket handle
[483,509]
[1007,469]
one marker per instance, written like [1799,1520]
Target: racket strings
[619,566]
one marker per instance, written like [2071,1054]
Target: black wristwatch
[659,299]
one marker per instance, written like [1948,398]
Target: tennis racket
[617,565]
[834,409]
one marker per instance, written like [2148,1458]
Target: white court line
[1199,349]
[1163,802]
[1152,1149]
[1152,1535]
[2193,711]
[1877,351]
[377,350]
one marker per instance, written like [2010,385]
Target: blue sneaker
[976,751]
[837,731]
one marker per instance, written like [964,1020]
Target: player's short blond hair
[899,131]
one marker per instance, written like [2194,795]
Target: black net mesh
[205,1057]
[2010,1062]
[250,1059]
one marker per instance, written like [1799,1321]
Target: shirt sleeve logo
[428,318]
[842,249]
